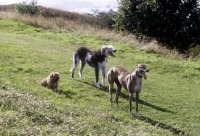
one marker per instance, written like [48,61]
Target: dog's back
[118,74]
[117,71]
[81,52]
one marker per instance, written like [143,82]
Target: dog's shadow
[102,88]
[68,94]
[153,122]
[159,124]
[125,96]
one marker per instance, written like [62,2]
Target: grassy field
[169,102]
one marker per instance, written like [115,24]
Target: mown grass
[169,102]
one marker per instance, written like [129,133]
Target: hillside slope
[169,102]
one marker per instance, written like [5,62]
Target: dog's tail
[109,74]
[74,61]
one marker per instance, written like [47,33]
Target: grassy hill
[169,102]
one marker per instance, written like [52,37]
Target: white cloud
[6,2]
[81,6]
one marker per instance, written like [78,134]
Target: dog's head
[108,50]
[141,70]
[55,76]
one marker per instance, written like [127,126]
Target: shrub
[25,8]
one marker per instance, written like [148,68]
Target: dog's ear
[102,51]
[52,75]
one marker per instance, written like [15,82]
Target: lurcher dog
[96,59]
[132,82]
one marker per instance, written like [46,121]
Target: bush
[31,8]
[104,19]
[174,24]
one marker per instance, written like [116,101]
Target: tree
[174,24]
[104,19]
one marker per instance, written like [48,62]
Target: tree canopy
[175,24]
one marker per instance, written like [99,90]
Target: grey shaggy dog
[96,59]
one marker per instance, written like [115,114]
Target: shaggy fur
[96,59]
[132,82]
[51,81]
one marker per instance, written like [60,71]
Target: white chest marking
[103,64]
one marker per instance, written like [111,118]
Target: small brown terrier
[51,81]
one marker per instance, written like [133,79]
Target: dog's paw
[97,85]
[104,85]
[80,75]
[137,114]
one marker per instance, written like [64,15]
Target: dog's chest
[103,63]
[137,85]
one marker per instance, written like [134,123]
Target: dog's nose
[147,70]
[114,50]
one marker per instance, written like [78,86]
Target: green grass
[169,102]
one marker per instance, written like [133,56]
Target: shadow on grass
[155,123]
[154,106]
[163,126]
[68,94]
[102,88]
[125,96]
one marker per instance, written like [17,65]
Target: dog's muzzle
[142,73]
[111,53]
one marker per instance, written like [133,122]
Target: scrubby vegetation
[24,8]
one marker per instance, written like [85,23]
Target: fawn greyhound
[132,82]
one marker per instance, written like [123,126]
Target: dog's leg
[97,76]
[75,63]
[130,103]
[118,90]
[110,86]
[56,87]
[81,70]
[137,101]
[103,70]
[110,91]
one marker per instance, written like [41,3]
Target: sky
[79,6]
